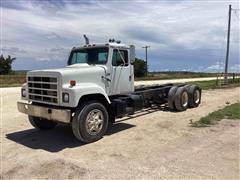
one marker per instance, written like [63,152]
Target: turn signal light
[72,83]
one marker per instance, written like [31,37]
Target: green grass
[212,84]
[229,112]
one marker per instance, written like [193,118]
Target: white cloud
[44,59]
[220,66]
[216,67]
[235,68]
[165,26]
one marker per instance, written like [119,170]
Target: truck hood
[72,69]
[78,72]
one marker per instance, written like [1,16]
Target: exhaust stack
[86,39]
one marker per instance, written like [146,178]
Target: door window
[120,58]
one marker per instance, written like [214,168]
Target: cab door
[122,73]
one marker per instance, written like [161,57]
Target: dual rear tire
[194,96]
[180,98]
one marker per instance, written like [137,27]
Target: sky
[183,35]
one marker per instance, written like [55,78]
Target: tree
[6,64]
[139,68]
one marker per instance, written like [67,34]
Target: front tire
[90,122]
[40,123]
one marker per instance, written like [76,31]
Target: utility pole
[146,57]
[228,45]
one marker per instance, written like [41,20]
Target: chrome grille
[43,89]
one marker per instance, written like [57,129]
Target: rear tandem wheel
[180,98]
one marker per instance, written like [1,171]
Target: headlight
[65,97]
[24,92]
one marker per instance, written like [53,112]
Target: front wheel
[90,122]
[40,123]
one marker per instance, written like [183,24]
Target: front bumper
[61,115]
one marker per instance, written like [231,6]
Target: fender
[78,91]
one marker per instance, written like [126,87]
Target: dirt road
[159,144]
[137,83]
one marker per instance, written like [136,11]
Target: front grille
[43,89]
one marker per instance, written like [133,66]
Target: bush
[6,64]
[139,68]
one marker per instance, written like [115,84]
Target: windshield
[89,56]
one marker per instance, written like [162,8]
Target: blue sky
[183,34]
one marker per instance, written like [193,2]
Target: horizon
[183,35]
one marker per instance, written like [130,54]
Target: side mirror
[132,54]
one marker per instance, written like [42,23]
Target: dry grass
[12,80]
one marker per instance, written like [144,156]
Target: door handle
[107,79]
[130,78]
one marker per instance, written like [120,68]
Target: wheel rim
[184,99]
[94,122]
[196,96]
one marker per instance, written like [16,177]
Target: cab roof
[111,44]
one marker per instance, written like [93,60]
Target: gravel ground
[147,83]
[152,144]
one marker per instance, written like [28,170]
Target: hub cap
[184,99]
[196,96]
[94,122]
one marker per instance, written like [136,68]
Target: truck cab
[115,61]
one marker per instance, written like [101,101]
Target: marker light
[72,83]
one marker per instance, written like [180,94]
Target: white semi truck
[95,88]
